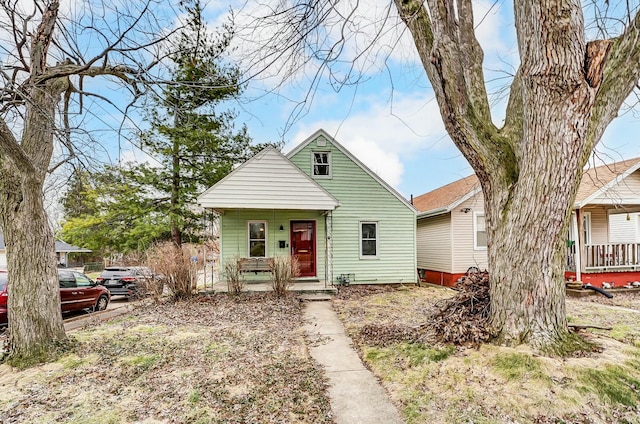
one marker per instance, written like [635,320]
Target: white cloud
[379,138]
[489,23]
[386,165]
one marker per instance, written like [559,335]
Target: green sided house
[320,204]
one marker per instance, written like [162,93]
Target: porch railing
[617,255]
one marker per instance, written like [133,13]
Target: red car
[77,292]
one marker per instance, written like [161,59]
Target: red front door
[303,246]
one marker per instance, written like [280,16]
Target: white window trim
[330,163]
[475,230]
[266,238]
[377,255]
[586,228]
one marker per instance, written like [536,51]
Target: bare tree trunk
[527,247]
[35,320]
[528,214]
[562,97]
[174,214]
[32,89]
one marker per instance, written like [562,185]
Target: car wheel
[101,304]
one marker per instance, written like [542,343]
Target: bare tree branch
[620,77]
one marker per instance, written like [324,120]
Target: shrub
[234,276]
[153,286]
[173,264]
[285,270]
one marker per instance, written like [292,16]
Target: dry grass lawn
[441,384]
[214,360]
[220,359]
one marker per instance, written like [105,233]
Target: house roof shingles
[446,195]
[593,179]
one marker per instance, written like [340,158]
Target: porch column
[578,247]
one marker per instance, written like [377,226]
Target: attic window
[321,164]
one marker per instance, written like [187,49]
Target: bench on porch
[255,264]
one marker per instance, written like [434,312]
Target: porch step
[315,297]
[579,292]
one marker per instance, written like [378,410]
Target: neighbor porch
[604,245]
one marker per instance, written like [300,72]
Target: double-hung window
[479,231]
[368,240]
[257,239]
[321,164]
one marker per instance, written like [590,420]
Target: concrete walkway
[355,394]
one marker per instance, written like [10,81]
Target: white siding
[3,259]
[626,191]
[434,243]
[267,181]
[464,253]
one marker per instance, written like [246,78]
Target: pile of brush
[463,319]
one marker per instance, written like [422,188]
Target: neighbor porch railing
[616,255]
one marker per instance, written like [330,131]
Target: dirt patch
[216,359]
[431,383]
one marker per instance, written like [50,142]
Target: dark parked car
[127,281]
[77,292]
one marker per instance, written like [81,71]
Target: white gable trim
[607,186]
[347,153]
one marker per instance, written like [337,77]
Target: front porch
[606,257]
[617,264]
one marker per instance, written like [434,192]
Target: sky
[385,114]
[390,119]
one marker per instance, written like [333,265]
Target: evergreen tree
[112,213]
[194,143]
[80,197]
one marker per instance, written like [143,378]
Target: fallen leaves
[212,359]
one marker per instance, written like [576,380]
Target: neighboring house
[62,252]
[64,249]
[603,236]
[320,204]
[451,236]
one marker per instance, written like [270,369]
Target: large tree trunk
[528,216]
[35,320]
[531,167]
[526,227]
